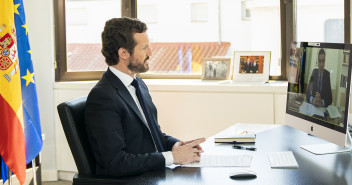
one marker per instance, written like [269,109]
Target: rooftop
[166,58]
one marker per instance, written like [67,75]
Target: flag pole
[34,172]
[10,177]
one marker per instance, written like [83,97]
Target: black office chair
[72,119]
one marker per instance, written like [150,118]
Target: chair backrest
[72,119]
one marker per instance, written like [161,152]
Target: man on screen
[319,88]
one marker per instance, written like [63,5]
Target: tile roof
[85,57]
[167,57]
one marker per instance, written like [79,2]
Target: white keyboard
[222,160]
[284,159]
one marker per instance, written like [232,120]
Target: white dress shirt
[127,80]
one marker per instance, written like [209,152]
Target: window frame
[129,9]
[61,73]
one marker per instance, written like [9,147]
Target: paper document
[310,110]
[222,160]
[333,112]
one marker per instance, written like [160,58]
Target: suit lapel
[124,93]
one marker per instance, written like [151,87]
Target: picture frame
[251,66]
[216,68]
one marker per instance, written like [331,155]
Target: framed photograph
[251,66]
[216,68]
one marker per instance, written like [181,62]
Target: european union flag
[4,170]
[32,130]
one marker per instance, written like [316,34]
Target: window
[262,31]
[183,32]
[246,13]
[78,37]
[199,12]
[334,30]
[320,21]
[208,28]
[83,32]
[149,12]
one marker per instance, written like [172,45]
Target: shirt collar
[125,79]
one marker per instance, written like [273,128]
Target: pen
[242,147]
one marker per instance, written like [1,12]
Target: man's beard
[137,67]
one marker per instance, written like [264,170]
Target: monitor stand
[330,148]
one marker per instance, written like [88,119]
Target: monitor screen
[319,88]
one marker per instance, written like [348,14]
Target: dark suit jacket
[255,68]
[121,142]
[325,93]
[247,67]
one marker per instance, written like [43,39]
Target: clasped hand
[187,152]
[317,100]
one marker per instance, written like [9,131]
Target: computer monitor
[319,91]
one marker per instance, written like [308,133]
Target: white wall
[39,18]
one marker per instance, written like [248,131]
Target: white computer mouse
[242,174]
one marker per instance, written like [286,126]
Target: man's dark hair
[118,33]
[321,52]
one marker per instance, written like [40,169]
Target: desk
[313,169]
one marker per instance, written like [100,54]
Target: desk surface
[313,169]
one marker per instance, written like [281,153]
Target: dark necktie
[319,82]
[151,123]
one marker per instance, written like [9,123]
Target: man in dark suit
[319,87]
[247,66]
[255,66]
[121,119]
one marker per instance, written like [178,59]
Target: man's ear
[123,53]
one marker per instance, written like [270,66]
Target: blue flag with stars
[31,120]
[4,170]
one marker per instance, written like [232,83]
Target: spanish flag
[18,128]
[12,147]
